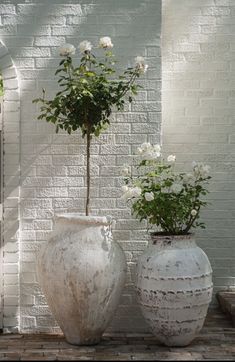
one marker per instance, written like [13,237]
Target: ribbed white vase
[174,288]
[82,272]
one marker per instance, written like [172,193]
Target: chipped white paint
[82,272]
[174,287]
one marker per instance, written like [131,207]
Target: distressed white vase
[82,272]
[174,288]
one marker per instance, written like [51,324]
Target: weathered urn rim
[77,218]
[159,237]
[166,234]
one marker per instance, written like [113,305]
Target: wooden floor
[216,341]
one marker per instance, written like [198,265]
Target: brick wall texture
[52,165]
[198,50]
[198,109]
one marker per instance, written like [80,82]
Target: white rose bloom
[148,151]
[126,171]
[146,146]
[171,158]
[176,188]
[194,212]
[135,191]
[139,60]
[139,150]
[132,192]
[126,195]
[125,188]
[188,177]
[105,42]
[151,155]
[149,196]
[67,49]
[204,169]
[201,170]
[194,164]
[85,46]
[140,64]
[165,190]
[157,148]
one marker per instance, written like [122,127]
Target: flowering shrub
[89,92]
[168,199]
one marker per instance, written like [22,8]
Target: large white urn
[81,270]
[174,288]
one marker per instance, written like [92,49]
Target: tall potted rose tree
[81,269]
[174,276]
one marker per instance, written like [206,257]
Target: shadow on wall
[46,187]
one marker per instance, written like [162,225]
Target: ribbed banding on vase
[174,288]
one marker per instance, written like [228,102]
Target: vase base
[83,342]
[180,341]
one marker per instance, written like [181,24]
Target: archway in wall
[10,193]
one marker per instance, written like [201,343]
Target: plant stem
[88,144]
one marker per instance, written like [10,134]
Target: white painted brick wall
[198,80]
[52,166]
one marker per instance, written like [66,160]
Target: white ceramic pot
[174,288]
[82,272]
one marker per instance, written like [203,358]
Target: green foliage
[88,94]
[168,199]
[1,87]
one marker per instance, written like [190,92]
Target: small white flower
[105,42]
[146,146]
[149,196]
[165,190]
[126,195]
[126,171]
[188,177]
[151,155]
[194,212]
[176,188]
[125,188]
[85,46]
[205,169]
[201,170]
[157,148]
[140,64]
[171,158]
[148,151]
[132,192]
[135,191]
[67,49]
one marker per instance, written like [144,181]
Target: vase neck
[173,241]
[78,219]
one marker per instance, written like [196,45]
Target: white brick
[32,52]
[204,77]
[11,321]
[49,41]
[11,279]
[10,268]
[11,290]
[11,301]
[26,29]
[53,166]
[7,9]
